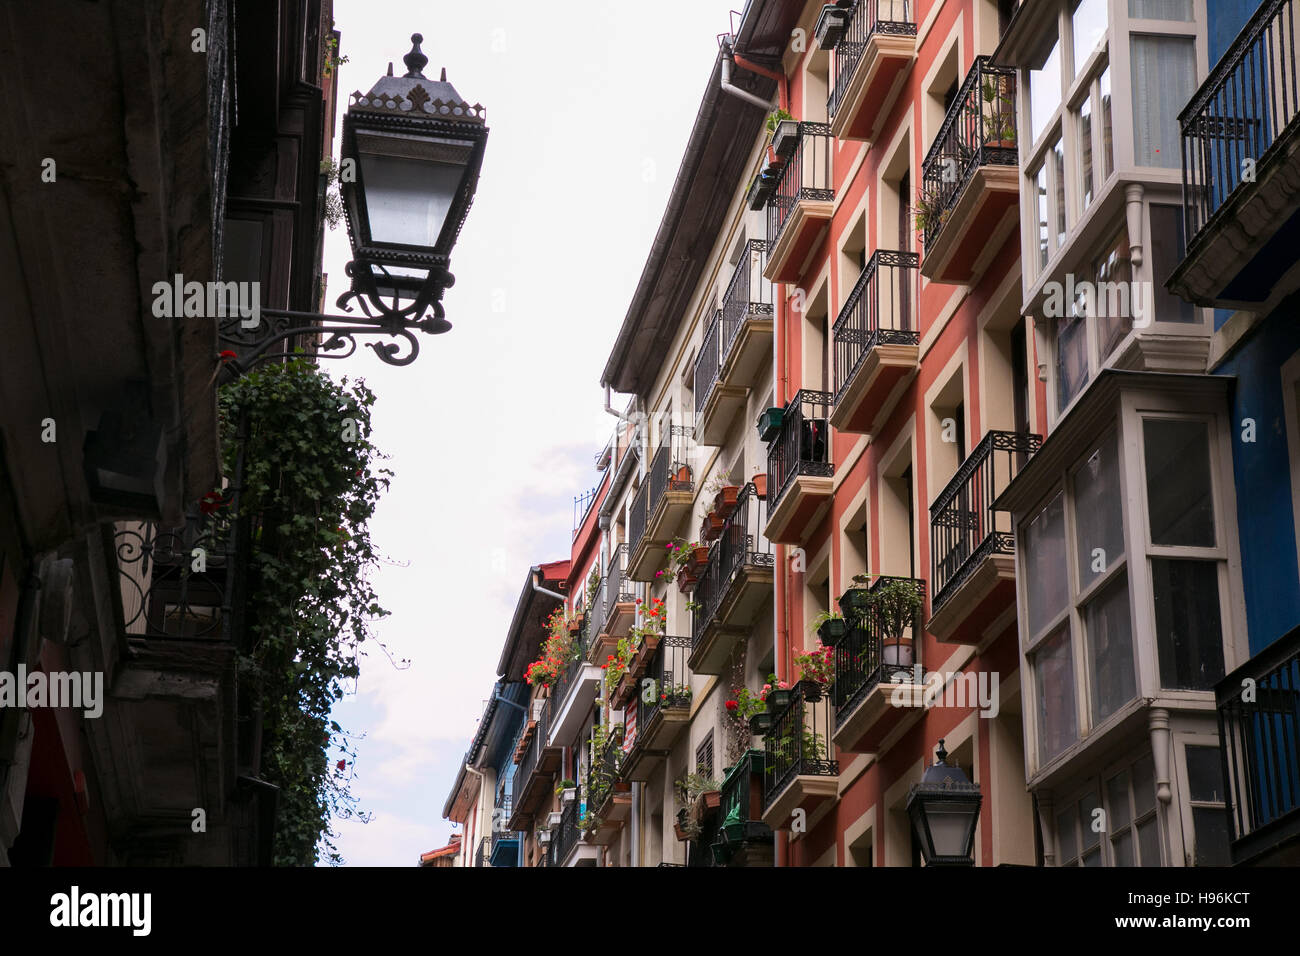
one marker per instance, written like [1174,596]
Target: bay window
[1125,800]
[1164,79]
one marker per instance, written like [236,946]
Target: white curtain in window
[1164,79]
[1160,9]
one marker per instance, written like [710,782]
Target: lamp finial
[415,60]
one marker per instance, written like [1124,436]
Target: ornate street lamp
[411,154]
[944,808]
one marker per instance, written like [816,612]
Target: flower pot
[812,690]
[699,558]
[711,526]
[760,724]
[759,192]
[854,599]
[772,158]
[832,631]
[760,486]
[721,853]
[896,652]
[569,795]
[680,833]
[575,626]
[786,138]
[831,24]
[623,691]
[778,700]
[769,424]
[686,580]
[553,819]
[724,502]
[682,479]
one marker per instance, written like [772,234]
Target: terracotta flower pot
[760,486]
[682,479]
[711,526]
[686,581]
[724,502]
[699,558]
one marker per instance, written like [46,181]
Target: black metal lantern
[412,150]
[944,808]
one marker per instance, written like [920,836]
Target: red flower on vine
[732,705]
[210,502]
[341,766]
[226,355]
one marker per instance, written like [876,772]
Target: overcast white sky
[494,429]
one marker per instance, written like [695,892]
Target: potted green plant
[930,212]
[999,114]
[896,607]
[829,627]
[565,785]
[831,24]
[785,133]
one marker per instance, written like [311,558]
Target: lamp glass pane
[408,199]
[948,827]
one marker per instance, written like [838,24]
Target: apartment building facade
[973,375]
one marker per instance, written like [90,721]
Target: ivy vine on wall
[310,485]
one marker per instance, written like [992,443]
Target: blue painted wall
[1225,20]
[1262,471]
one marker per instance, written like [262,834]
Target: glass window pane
[1164,79]
[1107,136]
[1044,92]
[1054,675]
[1066,839]
[1112,273]
[1179,491]
[1044,543]
[1088,22]
[1167,249]
[1098,519]
[1110,650]
[1117,797]
[1093,858]
[1093,822]
[1189,634]
[1122,847]
[1071,359]
[1085,148]
[1211,833]
[1149,843]
[1040,191]
[1144,785]
[1161,9]
[1204,774]
[1058,206]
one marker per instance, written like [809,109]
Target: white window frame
[1096,785]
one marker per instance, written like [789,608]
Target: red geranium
[732,705]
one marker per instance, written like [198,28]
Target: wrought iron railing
[582,507]
[741,544]
[748,294]
[669,470]
[528,764]
[708,364]
[603,770]
[502,808]
[670,681]
[869,17]
[163,596]
[806,176]
[564,835]
[733,805]
[1259,734]
[799,741]
[484,853]
[881,310]
[616,588]
[803,446]
[964,527]
[880,645]
[1232,123]
[979,130]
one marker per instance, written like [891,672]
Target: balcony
[970,178]
[571,698]
[800,476]
[733,586]
[972,545]
[483,855]
[662,710]
[871,59]
[1241,169]
[566,847]
[743,838]
[536,762]
[503,849]
[608,797]
[800,209]
[736,347]
[877,663]
[658,509]
[1260,741]
[876,342]
[799,773]
[613,610]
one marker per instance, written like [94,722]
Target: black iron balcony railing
[708,364]
[502,808]
[803,446]
[881,310]
[603,771]
[615,589]
[807,176]
[671,681]
[484,853]
[748,294]
[582,507]
[669,471]
[564,836]
[1237,116]
[893,17]
[979,130]
[964,527]
[1260,748]
[734,805]
[799,741]
[528,764]
[879,646]
[741,543]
